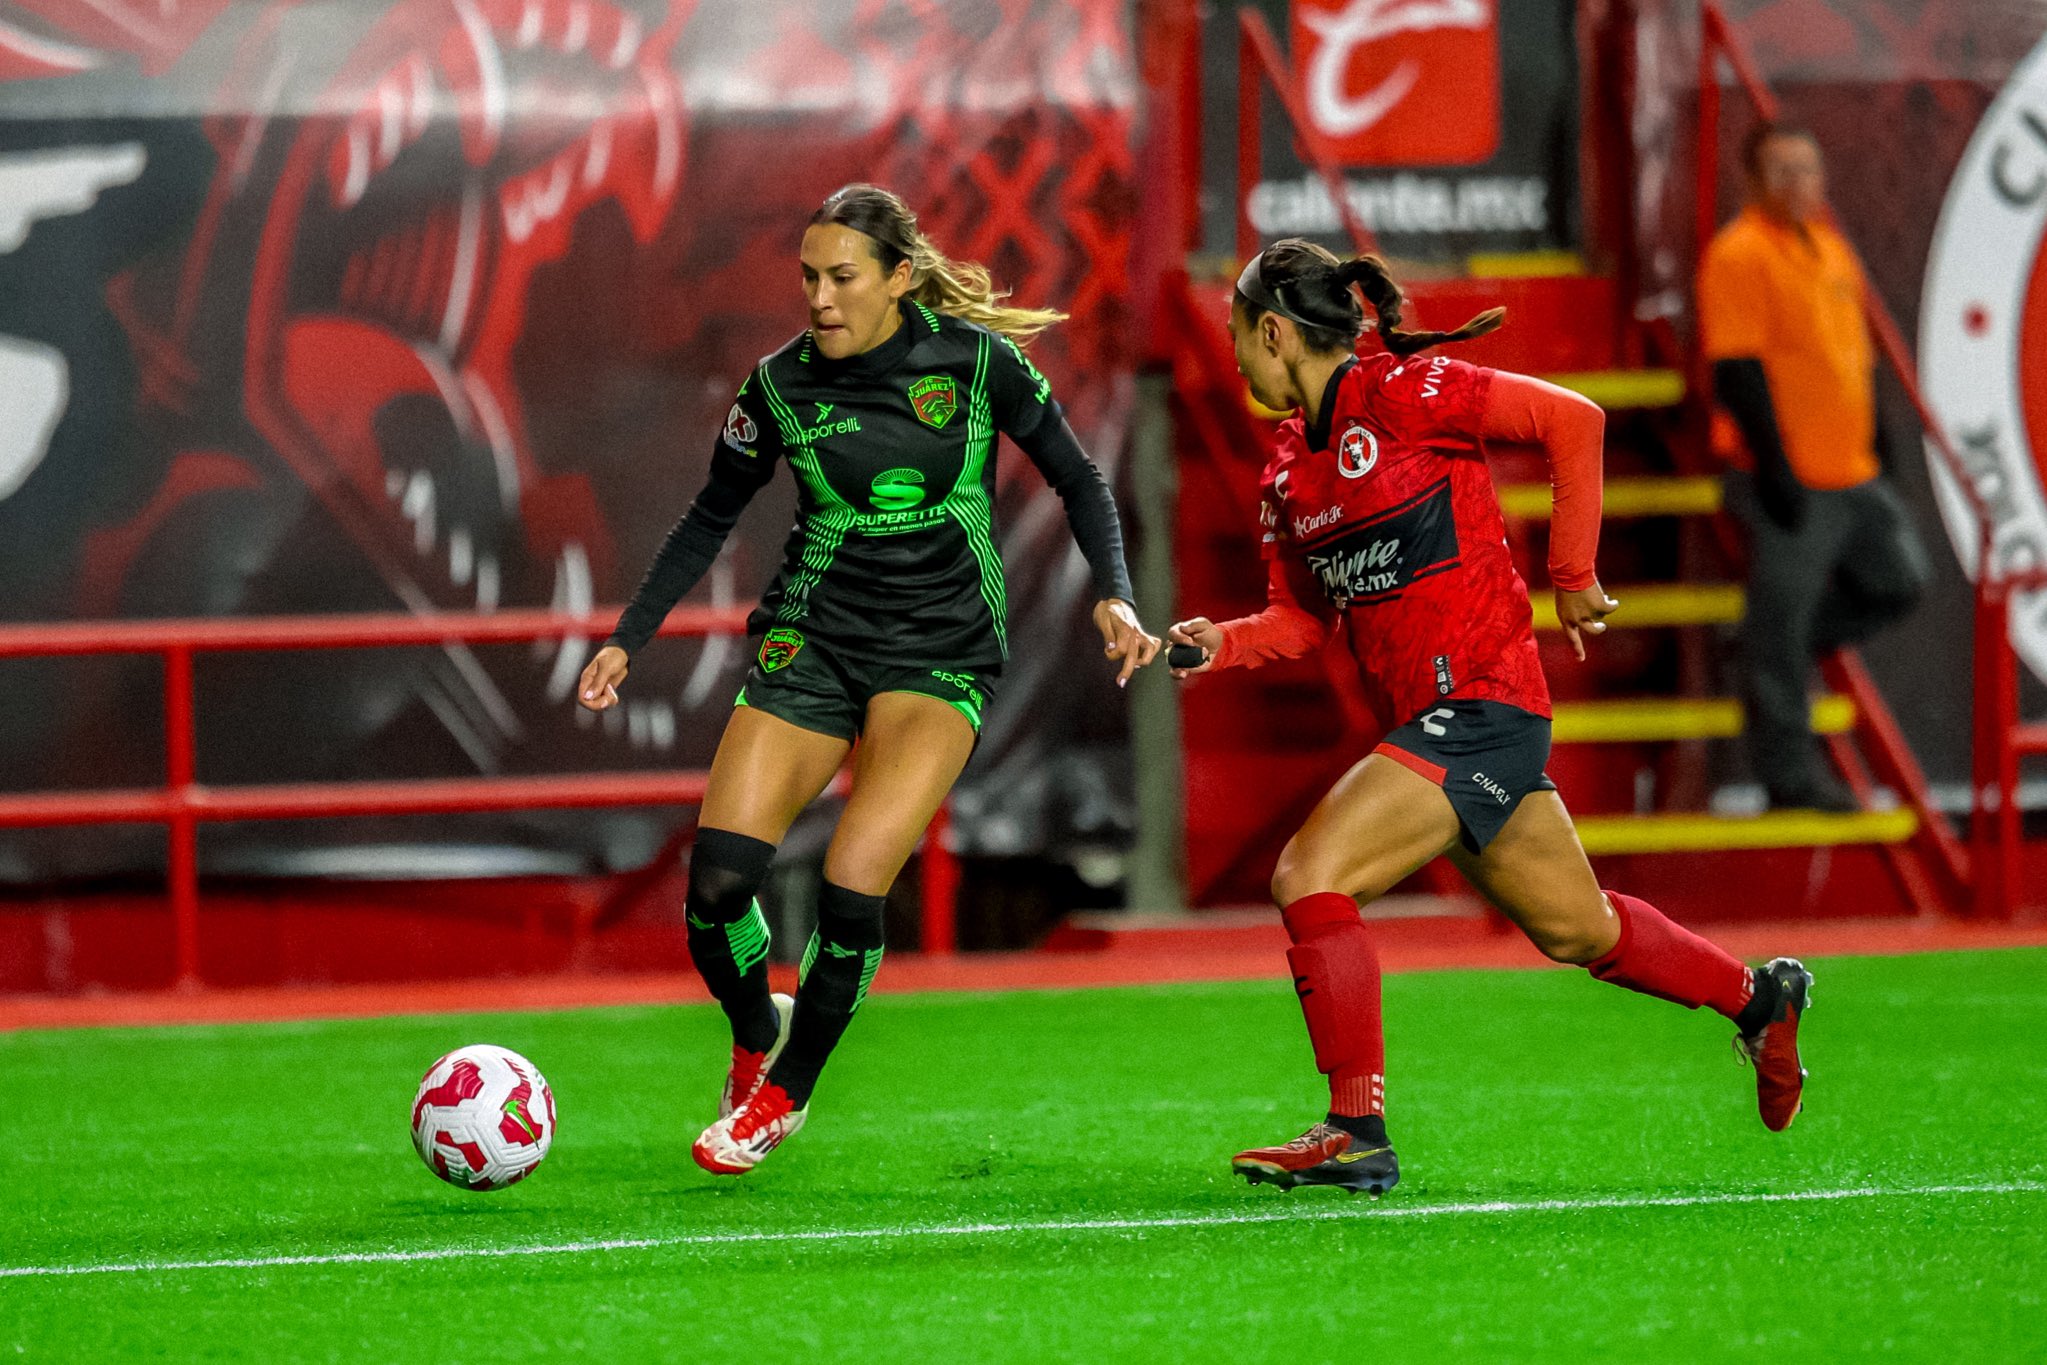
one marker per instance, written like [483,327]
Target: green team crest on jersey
[779,648]
[935,398]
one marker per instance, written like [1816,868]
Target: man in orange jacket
[1834,556]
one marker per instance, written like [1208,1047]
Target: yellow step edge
[1619,834]
[1657,604]
[1640,497]
[1523,265]
[1673,718]
[1618,390]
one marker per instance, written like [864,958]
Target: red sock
[1659,958]
[1336,974]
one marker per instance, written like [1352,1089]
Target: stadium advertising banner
[1455,123]
[439,305]
[1983,341]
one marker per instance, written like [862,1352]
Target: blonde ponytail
[963,289]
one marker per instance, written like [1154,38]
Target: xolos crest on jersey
[1356,452]
[935,398]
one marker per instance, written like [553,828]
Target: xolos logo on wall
[1983,341]
[1401,82]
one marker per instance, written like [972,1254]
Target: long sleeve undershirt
[689,549]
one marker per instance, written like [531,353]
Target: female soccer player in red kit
[1380,517]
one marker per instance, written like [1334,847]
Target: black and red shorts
[1485,755]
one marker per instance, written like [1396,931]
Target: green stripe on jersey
[968,501]
[824,532]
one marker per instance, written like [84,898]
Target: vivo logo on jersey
[1306,526]
[1381,557]
[1356,452]
[1401,82]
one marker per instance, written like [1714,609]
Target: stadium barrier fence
[183,802]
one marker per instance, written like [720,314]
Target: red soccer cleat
[1773,1049]
[735,1144]
[749,1069]
[1324,1155]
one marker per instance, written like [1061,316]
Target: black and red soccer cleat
[737,1143]
[750,1069]
[1324,1155]
[1773,1048]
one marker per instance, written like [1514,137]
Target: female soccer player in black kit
[888,622]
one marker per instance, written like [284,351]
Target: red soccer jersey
[1390,509]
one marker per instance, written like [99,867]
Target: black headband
[1251,284]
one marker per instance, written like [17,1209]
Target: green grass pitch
[1045,1176]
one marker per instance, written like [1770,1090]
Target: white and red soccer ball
[483,1118]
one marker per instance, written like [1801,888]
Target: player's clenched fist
[1202,633]
[598,689]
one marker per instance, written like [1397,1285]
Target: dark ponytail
[1310,287]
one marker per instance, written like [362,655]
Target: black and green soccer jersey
[893,555]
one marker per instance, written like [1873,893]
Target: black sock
[728,935]
[1761,1005]
[843,957]
[1369,1129]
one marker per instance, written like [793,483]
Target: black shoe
[1773,1048]
[1324,1155]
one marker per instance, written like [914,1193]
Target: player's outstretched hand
[1204,635]
[1123,637]
[598,689]
[1584,612]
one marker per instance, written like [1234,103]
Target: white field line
[1346,1212]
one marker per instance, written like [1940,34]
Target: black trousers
[1855,565]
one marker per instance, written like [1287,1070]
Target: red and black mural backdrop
[436,305]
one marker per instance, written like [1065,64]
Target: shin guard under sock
[1666,960]
[728,935]
[1336,974]
[839,966]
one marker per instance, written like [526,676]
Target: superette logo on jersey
[896,490]
[935,398]
[1401,82]
[1983,340]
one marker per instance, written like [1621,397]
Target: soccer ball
[483,1118]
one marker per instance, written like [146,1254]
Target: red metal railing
[183,803]
[1259,63]
[1988,867]
[1996,832]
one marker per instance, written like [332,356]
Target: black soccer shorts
[1485,755]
